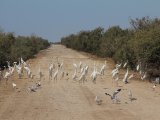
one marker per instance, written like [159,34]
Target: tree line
[12,48]
[139,44]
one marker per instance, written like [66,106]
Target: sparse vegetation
[140,43]
[12,47]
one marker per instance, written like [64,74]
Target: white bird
[115,73]
[117,79]
[98,100]
[103,68]
[114,70]
[74,76]
[154,86]
[157,81]
[55,75]
[51,67]
[61,65]
[94,75]
[11,69]
[131,76]
[93,70]
[118,65]
[125,64]
[19,66]
[144,76]
[28,71]
[130,95]
[32,76]
[138,66]
[140,72]
[14,85]
[7,75]
[82,69]
[40,74]
[19,71]
[125,79]
[21,59]
[8,64]
[80,64]
[86,69]
[25,64]
[75,65]
[82,77]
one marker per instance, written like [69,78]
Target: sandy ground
[69,100]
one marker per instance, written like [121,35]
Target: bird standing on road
[125,79]
[154,87]
[14,85]
[55,75]
[98,100]
[130,95]
[103,68]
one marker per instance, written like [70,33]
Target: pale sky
[54,19]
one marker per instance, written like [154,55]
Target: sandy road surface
[68,100]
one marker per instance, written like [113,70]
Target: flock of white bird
[126,79]
[20,68]
[80,74]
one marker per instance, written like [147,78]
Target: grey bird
[114,96]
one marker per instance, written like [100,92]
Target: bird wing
[115,93]
[108,94]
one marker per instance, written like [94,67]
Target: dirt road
[69,100]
